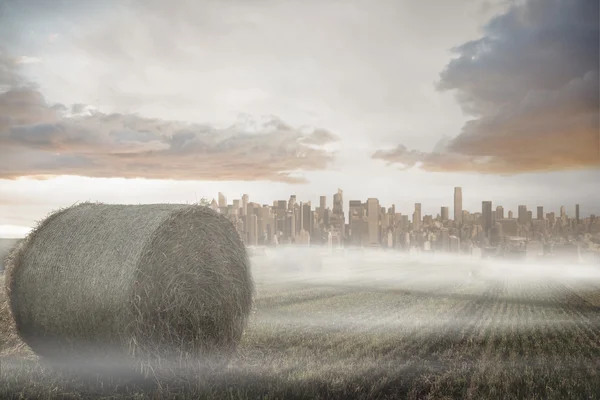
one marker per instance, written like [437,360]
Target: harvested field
[391,328]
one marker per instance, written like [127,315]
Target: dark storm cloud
[39,139]
[532,84]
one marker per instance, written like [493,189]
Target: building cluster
[369,224]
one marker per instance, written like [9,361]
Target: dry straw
[136,282]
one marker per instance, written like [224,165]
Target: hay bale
[146,282]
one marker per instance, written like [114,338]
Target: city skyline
[493,207]
[372,224]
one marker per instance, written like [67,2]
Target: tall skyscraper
[252,229]
[307,217]
[444,214]
[577,213]
[373,220]
[563,212]
[245,199]
[540,213]
[323,203]
[338,202]
[292,202]
[417,217]
[486,212]
[522,215]
[458,206]
[222,200]
[510,215]
[499,212]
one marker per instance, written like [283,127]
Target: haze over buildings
[370,224]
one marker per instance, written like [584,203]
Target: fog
[319,290]
[367,268]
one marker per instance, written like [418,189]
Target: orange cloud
[532,84]
[37,139]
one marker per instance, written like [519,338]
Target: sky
[149,101]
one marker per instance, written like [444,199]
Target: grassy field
[402,329]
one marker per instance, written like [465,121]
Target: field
[381,326]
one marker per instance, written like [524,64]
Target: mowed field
[382,326]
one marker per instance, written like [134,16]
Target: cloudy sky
[145,101]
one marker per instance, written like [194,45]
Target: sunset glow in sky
[147,101]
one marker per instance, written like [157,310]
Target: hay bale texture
[141,281]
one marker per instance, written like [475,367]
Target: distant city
[490,231]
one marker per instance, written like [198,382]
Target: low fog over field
[373,268]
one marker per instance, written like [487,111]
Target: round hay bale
[137,282]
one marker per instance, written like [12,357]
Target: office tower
[499,212]
[279,209]
[486,212]
[563,213]
[373,221]
[245,198]
[444,214]
[252,229]
[338,202]
[222,200]
[529,216]
[404,223]
[417,217]
[236,206]
[522,215]
[323,203]
[357,220]
[307,217]
[264,217]
[577,213]
[458,206]
[292,202]
[540,213]
[510,215]
[290,225]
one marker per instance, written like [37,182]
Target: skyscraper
[323,203]
[417,217]
[499,212]
[244,204]
[577,213]
[486,212]
[307,217]
[292,202]
[373,220]
[338,202]
[458,206]
[444,214]
[222,200]
[252,229]
[540,213]
[522,215]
